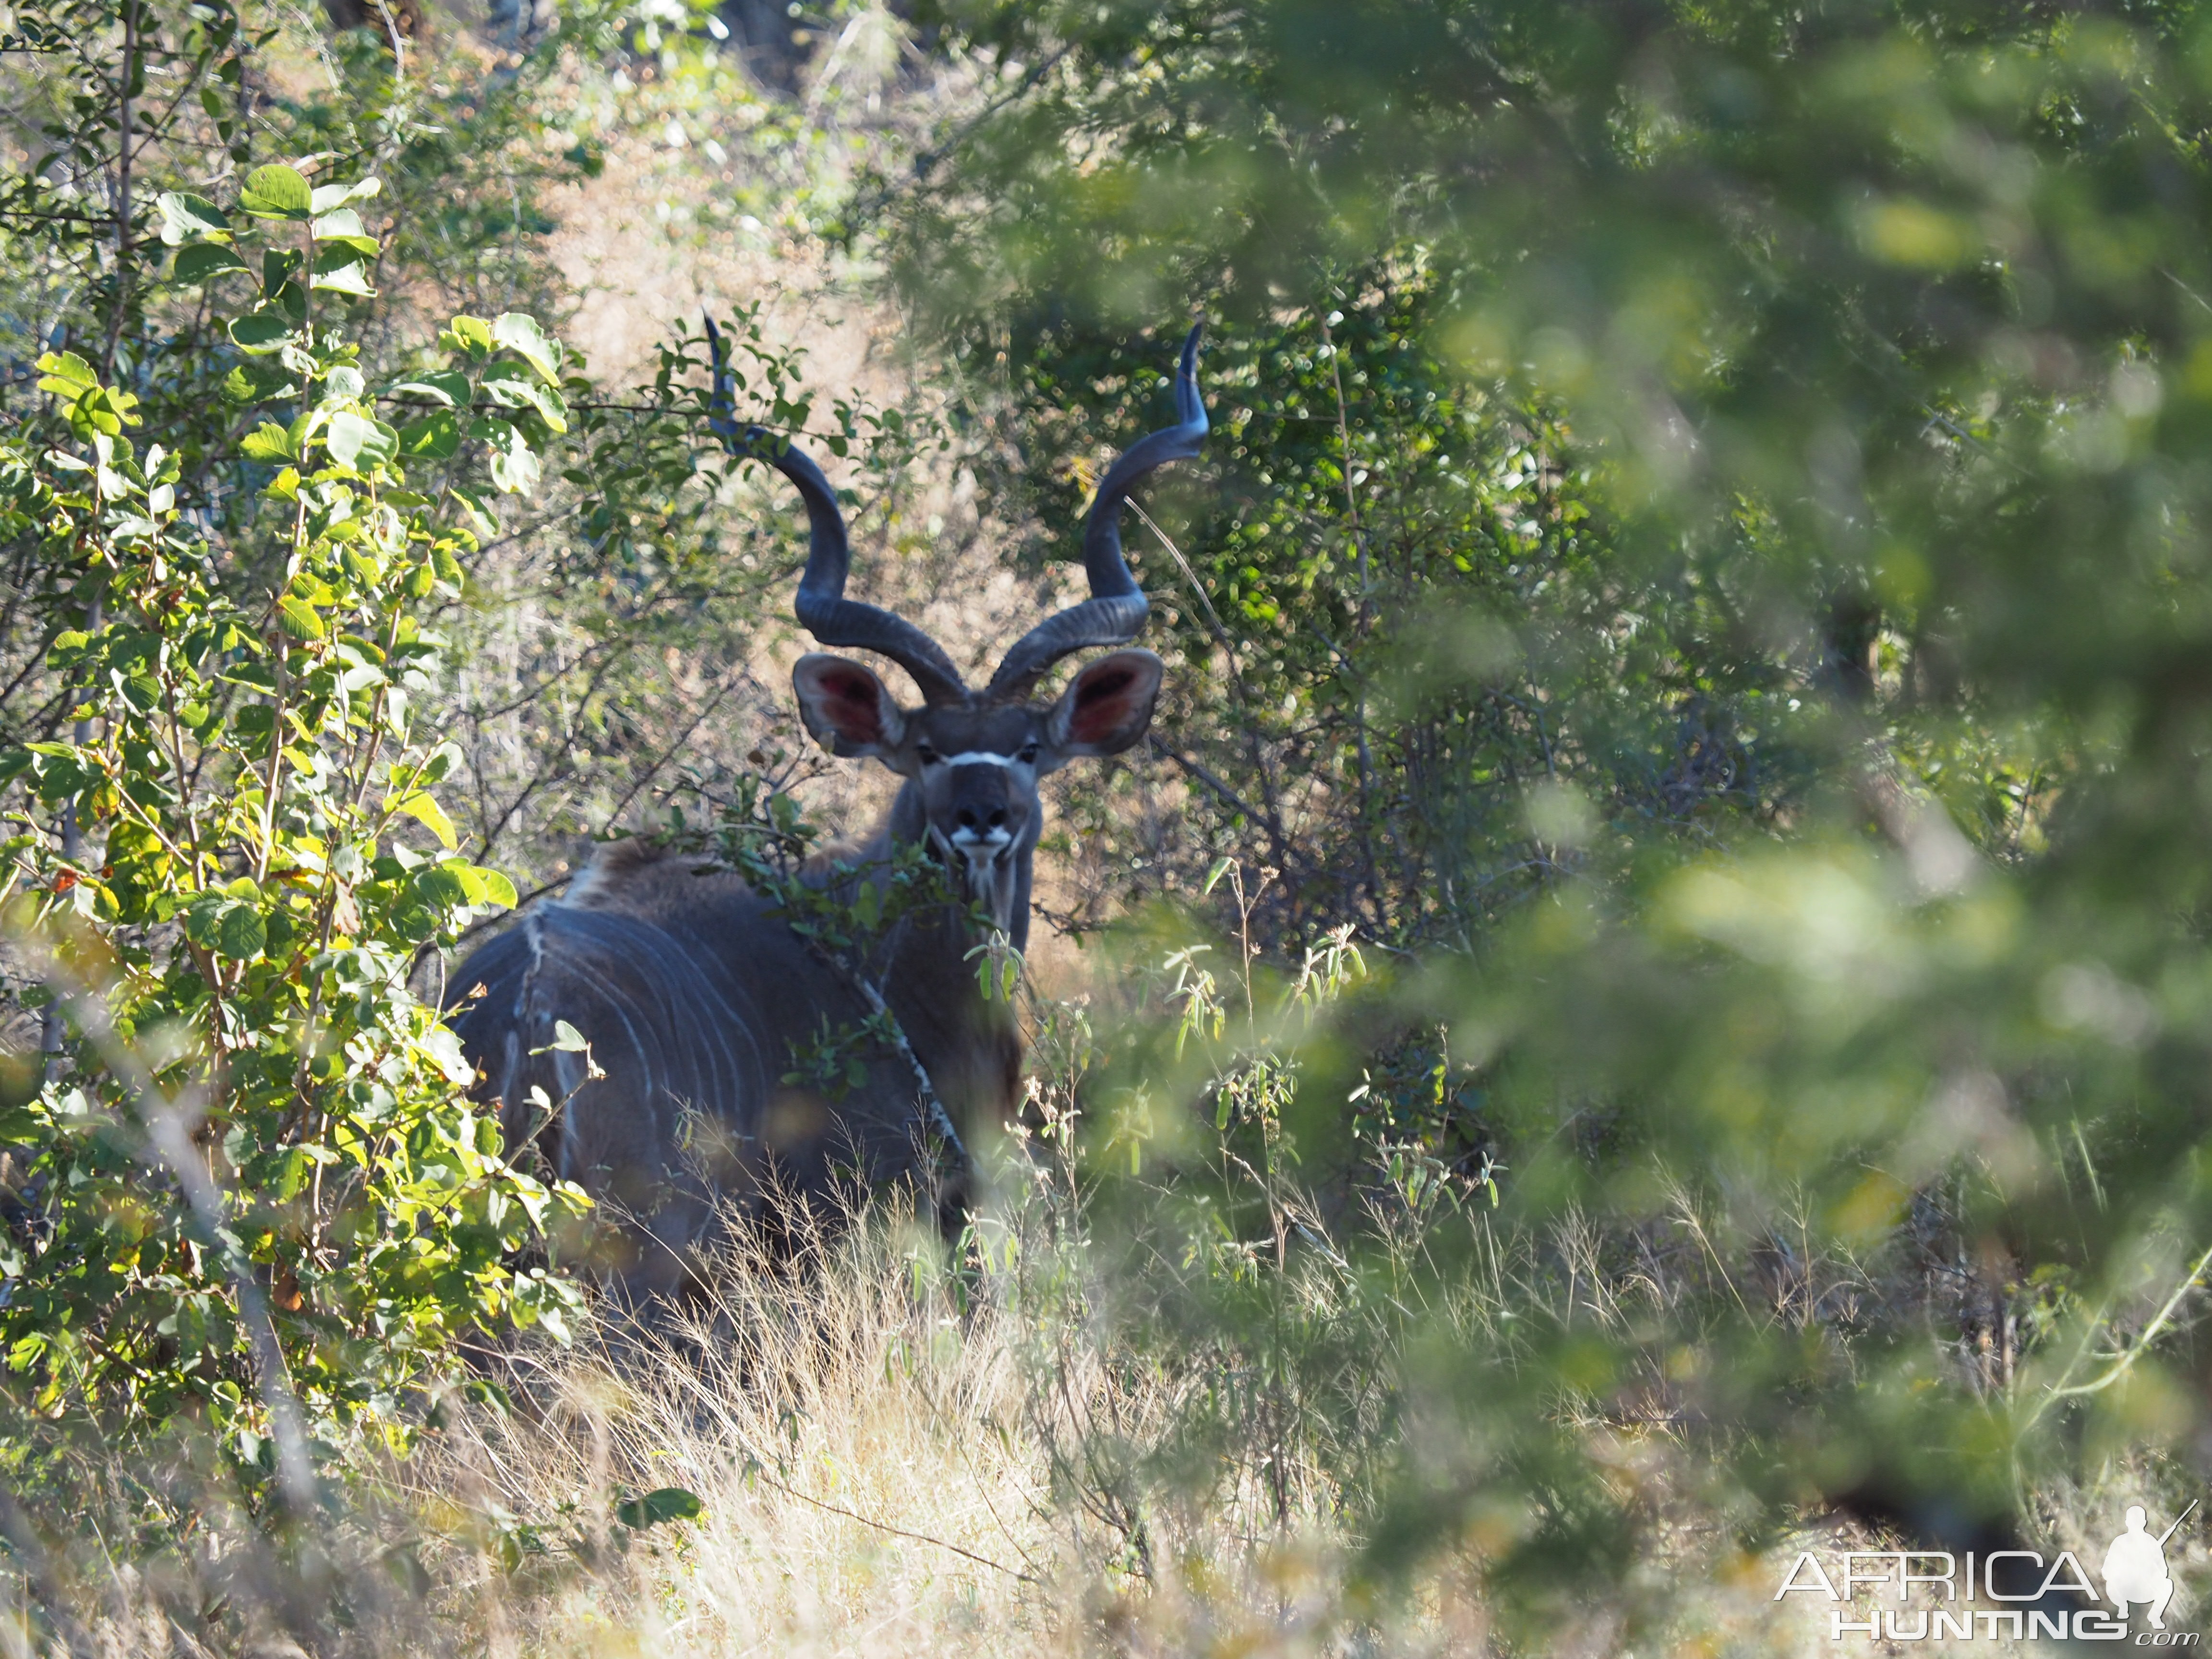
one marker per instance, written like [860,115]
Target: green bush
[253,1214]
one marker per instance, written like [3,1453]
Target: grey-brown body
[698,1001]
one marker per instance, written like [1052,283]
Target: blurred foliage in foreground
[1701,578]
[1713,533]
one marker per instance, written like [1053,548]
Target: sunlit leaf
[186,217]
[299,619]
[520,333]
[263,331]
[267,442]
[426,812]
[276,192]
[328,198]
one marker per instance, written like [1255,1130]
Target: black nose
[970,818]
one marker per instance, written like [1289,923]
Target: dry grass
[835,1426]
[882,1471]
[894,1458]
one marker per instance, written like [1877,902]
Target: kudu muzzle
[979,833]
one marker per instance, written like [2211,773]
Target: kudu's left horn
[822,609]
[1114,612]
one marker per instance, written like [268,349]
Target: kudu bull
[694,995]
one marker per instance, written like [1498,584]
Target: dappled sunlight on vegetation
[1638,1014]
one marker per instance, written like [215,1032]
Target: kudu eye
[926,755]
[1028,756]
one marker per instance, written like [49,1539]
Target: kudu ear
[846,706]
[1107,706]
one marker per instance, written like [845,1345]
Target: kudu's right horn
[1114,612]
[822,609]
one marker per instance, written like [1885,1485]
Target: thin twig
[1229,796]
[768,1479]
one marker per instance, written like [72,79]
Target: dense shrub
[252,1212]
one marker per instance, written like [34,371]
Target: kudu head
[972,759]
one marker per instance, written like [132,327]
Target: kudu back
[696,999]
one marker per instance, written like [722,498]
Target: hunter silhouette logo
[2023,1594]
[2135,1566]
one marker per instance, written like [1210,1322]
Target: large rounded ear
[846,706]
[1107,706]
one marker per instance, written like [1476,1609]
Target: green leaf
[387,445]
[329,197]
[276,192]
[186,217]
[201,260]
[478,509]
[357,441]
[667,1504]
[497,889]
[511,389]
[199,918]
[433,438]
[260,333]
[440,884]
[343,229]
[568,1039]
[444,388]
[439,761]
[520,333]
[278,264]
[473,335]
[66,374]
[239,932]
[268,442]
[298,618]
[426,812]
[340,270]
[255,383]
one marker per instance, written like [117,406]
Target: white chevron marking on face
[980,758]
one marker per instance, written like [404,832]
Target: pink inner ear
[1102,705]
[849,699]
